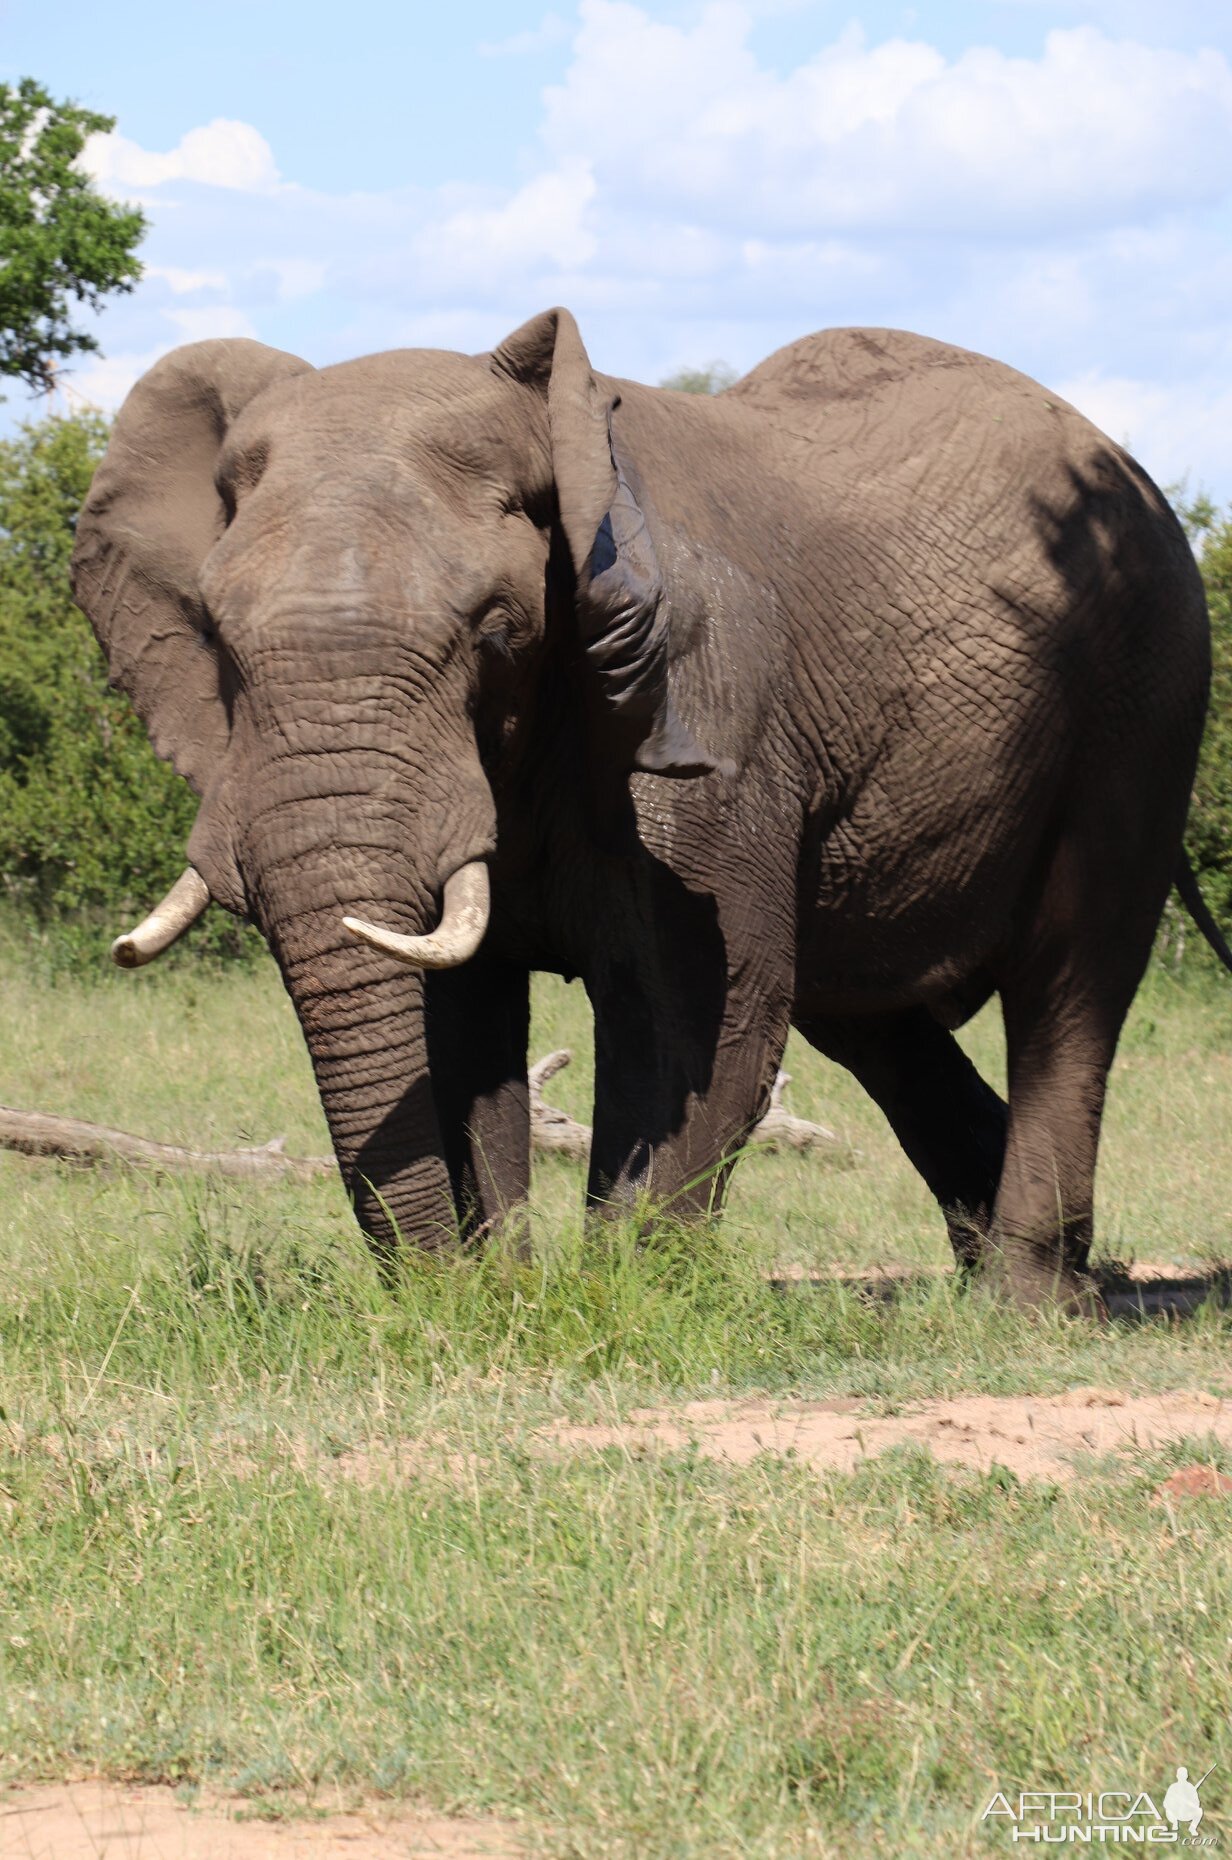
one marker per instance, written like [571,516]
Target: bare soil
[109,1821]
[1193,1482]
[1033,1436]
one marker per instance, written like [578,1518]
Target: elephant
[842,699]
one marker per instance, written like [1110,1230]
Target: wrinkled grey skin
[868,687]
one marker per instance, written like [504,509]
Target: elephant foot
[1034,1279]
[969,1239]
[507,1233]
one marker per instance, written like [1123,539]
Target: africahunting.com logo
[1112,1818]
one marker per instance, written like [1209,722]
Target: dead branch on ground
[553,1132]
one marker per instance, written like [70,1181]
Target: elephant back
[838,365]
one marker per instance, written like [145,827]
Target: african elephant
[845,698]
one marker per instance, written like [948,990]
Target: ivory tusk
[464,921]
[183,904]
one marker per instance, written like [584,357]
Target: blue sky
[1048,182]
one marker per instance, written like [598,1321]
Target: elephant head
[327,594]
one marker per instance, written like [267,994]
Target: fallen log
[553,1132]
[70,1139]
[778,1129]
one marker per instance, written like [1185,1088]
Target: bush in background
[712,379]
[1209,834]
[92,825]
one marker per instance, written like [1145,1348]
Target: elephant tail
[1191,897]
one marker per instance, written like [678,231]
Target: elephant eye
[493,623]
[495,633]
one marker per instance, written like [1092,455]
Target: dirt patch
[1193,1482]
[1034,1436]
[108,1821]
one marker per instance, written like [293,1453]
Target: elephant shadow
[1135,1293]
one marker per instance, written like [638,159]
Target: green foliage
[61,242]
[711,379]
[1209,837]
[92,825]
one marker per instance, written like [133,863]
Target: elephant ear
[152,516]
[619,594]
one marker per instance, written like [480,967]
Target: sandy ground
[1034,1436]
[106,1821]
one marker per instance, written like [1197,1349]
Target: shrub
[712,379]
[92,825]
[1208,837]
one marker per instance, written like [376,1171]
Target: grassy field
[269,1524]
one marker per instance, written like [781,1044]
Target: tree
[92,825]
[711,379]
[61,242]
[1209,835]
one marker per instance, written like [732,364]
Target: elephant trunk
[363,1022]
[371,836]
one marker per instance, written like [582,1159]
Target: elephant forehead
[446,417]
[385,559]
[383,493]
[395,521]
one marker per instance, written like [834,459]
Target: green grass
[658,1657]
[270,1523]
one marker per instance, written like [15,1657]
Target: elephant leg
[1066,985]
[1060,1043]
[478,1025]
[676,1100]
[950,1123]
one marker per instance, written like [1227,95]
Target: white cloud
[551,30]
[1093,131]
[543,223]
[1175,431]
[466,330]
[211,320]
[1067,212]
[219,154]
[184,282]
[298,277]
